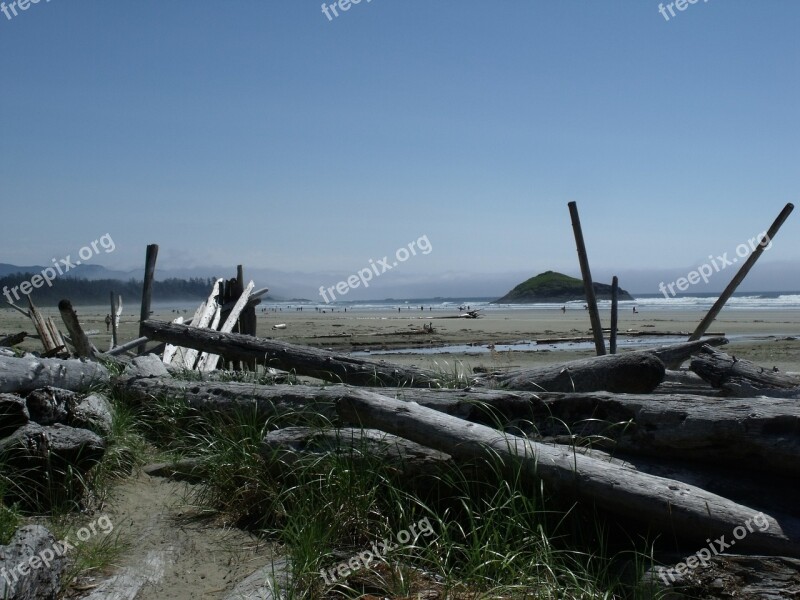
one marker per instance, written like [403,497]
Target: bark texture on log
[722,371]
[14,339]
[730,576]
[20,375]
[685,511]
[634,373]
[31,583]
[677,353]
[35,446]
[13,414]
[310,362]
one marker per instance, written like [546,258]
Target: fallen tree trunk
[749,432]
[634,372]
[20,375]
[727,372]
[311,362]
[13,339]
[683,510]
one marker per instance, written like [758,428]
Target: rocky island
[556,287]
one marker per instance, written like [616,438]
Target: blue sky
[263,133]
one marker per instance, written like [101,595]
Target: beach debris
[302,360]
[13,339]
[51,338]
[83,348]
[25,374]
[741,377]
[281,326]
[634,372]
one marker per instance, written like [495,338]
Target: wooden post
[113,322]
[82,345]
[612,339]
[591,300]
[743,271]
[147,287]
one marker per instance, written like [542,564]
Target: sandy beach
[767,337]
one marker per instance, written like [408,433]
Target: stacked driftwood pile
[695,454]
[52,432]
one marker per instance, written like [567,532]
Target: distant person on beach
[108,322]
[563,309]
[635,311]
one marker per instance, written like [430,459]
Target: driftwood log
[634,372]
[13,413]
[737,375]
[26,549]
[20,375]
[13,339]
[750,432]
[311,362]
[685,511]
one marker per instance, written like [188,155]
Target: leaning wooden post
[612,339]
[82,345]
[147,288]
[591,300]
[743,271]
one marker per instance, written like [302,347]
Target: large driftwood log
[13,339]
[750,432]
[35,579]
[311,362]
[684,510]
[35,446]
[634,372]
[727,372]
[20,375]
[13,414]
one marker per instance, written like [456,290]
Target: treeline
[96,291]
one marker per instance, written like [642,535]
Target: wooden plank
[83,348]
[147,287]
[588,285]
[209,313]
[170,350]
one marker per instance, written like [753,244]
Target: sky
[268,134]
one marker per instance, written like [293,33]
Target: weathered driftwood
[35,446]
[750,433]
[83,348]
[13,413]
[35,580]
[634,372]
[728,576]
[13,339]
[677,353]
[20,375]
[365,446]
[727,372]
[311,362]
[684,510]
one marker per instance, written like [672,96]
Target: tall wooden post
[147,288]
[612,339]
[588,286]
[113,314]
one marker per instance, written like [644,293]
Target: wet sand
[756,334]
